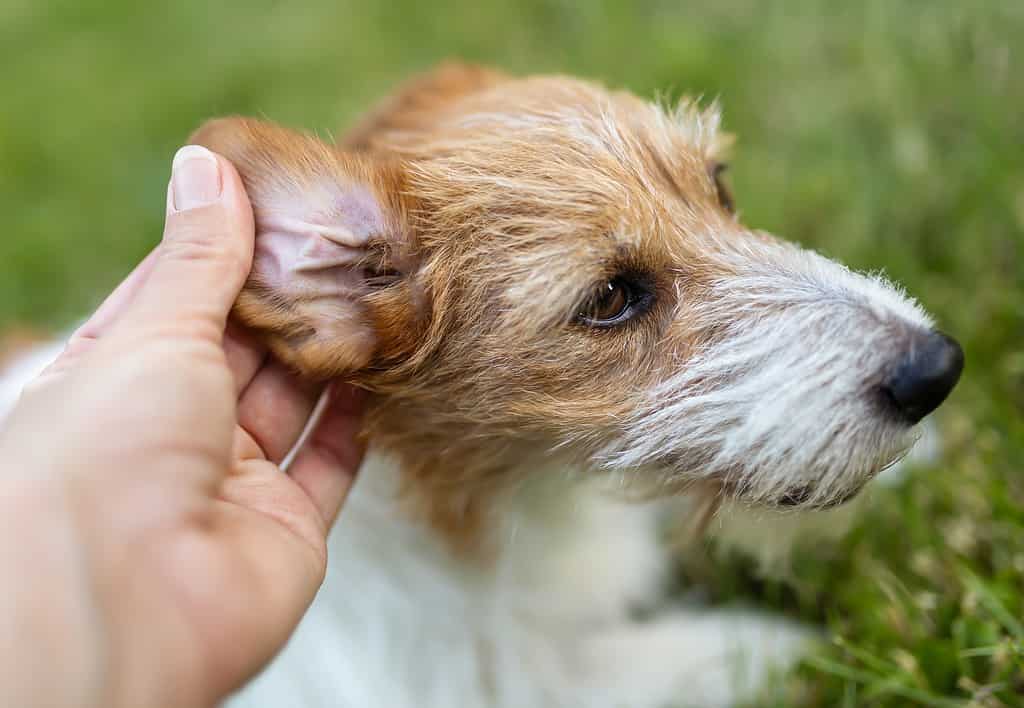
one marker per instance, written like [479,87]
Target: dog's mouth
[800,486]
[802,497]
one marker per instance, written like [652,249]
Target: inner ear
[332,230]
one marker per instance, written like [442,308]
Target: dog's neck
[556,543]
[461,482]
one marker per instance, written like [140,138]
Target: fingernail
[195,178]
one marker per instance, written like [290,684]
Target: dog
[571,342]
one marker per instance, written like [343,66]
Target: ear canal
[331,230]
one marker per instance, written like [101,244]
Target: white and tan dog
[547,290]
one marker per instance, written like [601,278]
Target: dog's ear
[418,102]
[332,235]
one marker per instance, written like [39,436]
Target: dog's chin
[814,496]
[803,497]
[796,499]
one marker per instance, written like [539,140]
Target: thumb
[206,252]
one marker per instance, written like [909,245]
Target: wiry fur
[439,256]
[751,425]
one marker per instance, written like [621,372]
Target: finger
[81,339]
[206,251]
[245,355]
[115,303]
[245,447]
[326,466]
[73,351]
[274,408]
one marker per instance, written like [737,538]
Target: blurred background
[889,135]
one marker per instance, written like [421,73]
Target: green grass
[889,134]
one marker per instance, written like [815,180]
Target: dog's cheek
[399,317]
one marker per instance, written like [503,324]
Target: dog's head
[522,266]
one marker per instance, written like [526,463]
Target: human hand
[152,552]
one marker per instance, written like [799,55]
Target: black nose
[925,376]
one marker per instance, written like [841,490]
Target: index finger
[82,339]
[115,303]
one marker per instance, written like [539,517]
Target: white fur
[400,623]
[786,393]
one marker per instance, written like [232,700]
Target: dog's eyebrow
[664,170]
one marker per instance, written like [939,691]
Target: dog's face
[523,266]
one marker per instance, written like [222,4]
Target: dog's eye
[724,195]
[614,302]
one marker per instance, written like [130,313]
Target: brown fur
[508,202]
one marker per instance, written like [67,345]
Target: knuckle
[203,233]
[194,245]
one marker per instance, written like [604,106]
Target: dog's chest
[402,622]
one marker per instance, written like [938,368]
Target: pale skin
[152,551]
